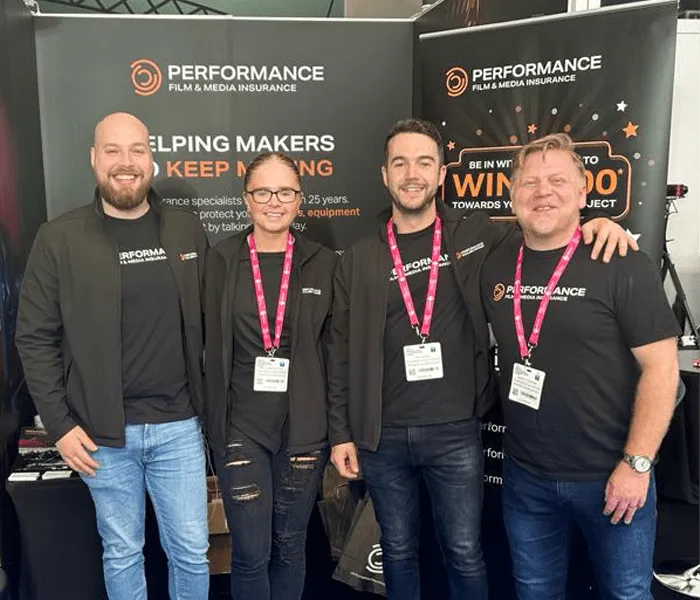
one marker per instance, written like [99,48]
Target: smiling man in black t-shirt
[589,371]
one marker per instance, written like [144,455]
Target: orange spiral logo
[145,77]
[498,292]
[456,81]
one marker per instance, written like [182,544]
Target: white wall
[382,8]
[684,162]
[576,5]
[684,157]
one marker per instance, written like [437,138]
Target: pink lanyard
[424,330]
[527,348]
[271,348]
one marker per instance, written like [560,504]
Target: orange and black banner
[212,107]
[605,77]
[492,89]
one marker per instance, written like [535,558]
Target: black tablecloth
[679,463]
[8,529]
[61,552]
[60,546]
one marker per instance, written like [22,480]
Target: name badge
[271,374]
[526,386]
[423,361]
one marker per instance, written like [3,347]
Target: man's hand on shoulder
[608,234]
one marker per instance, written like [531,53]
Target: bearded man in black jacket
[110,335]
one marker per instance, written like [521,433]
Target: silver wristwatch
[639,463]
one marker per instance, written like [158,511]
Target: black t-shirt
[260,415]
[444,400]
[154,370]
[597,313]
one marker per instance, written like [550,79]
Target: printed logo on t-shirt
[311,290]
[498,292]
[421,265]
[467,251]
[188,256]
[536,292]
[143,255]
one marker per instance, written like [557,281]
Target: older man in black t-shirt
[588,378]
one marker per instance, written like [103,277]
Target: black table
[679,461]
[8,531]
[61,552]
[677,482]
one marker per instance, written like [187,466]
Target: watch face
[642,464]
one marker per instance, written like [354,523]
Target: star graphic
[532,128]
[620,171]
[621,106]
[450,145]
[634,236]
[630,129]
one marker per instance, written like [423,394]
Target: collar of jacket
[447,214]
[154,201]
[303,247]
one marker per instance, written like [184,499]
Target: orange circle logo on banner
[146,77]
[456,81]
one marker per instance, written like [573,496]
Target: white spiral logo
[374,560]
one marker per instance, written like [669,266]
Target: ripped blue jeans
[268,500]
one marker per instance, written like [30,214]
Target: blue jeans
[448,458]
[539,516]
[268,500]
[167,460]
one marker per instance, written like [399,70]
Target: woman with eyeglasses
[268,302]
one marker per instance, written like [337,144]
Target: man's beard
[125,199]
[418,209]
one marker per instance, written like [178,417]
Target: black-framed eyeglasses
[264,195]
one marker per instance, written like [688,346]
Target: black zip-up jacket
[311,300]
[356,346]
[69,321]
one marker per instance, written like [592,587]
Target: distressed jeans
[268,500]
